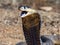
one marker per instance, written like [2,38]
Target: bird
[31,23]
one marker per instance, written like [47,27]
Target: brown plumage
[31,27]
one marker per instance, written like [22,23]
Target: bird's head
[25,10]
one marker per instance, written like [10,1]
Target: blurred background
[36,3]
[11,32]
[32,3]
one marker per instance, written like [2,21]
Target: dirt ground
[11,31]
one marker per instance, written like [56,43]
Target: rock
[46,8]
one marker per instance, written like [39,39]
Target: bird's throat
[23,13]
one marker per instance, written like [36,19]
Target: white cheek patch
[22,8]
[24,15]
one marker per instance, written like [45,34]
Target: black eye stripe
[23,7]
